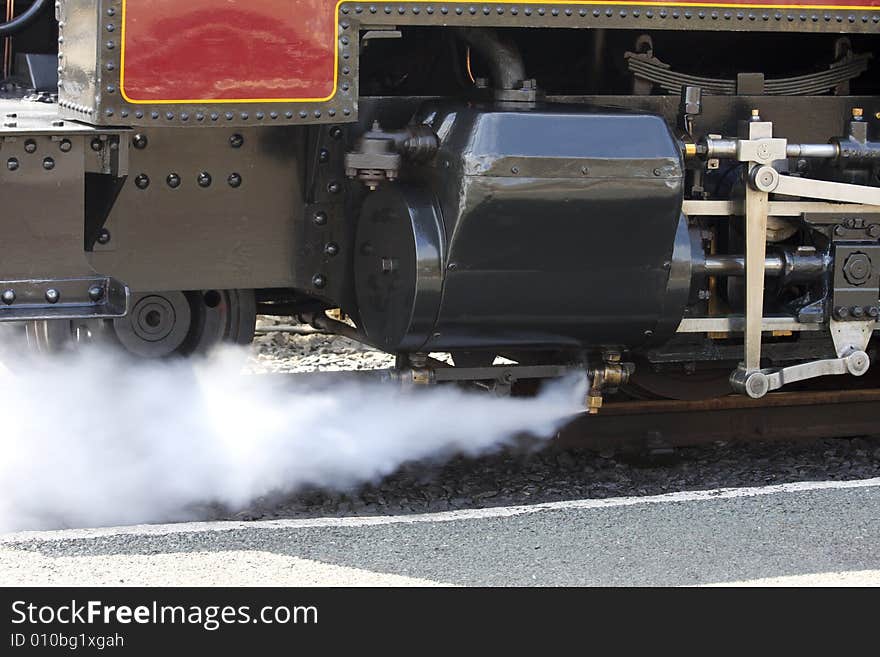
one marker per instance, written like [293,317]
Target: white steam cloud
[94,440]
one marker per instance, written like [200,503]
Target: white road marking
[225,568]
[444,516]
[844,578]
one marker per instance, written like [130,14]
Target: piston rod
[790,264]
[726,148]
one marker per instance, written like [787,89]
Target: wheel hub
[157,325]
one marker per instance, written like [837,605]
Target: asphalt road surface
[818,533]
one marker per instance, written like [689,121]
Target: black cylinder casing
[532,227]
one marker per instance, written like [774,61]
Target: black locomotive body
[669,195]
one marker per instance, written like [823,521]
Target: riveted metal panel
[92,88]
[207,209]
[94,63]
[857,16]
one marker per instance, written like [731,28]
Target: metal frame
[97,99]
[623,15]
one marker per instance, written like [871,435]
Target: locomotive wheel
[159,325]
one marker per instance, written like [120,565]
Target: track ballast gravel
[533,475]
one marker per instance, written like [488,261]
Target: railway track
[665,424]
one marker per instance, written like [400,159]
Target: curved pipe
[504,58]
[24,19]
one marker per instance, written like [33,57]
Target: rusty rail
[780,416]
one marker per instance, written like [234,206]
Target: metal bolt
[96,293]
[65,146]
[874,230]
[320,218]
[48,164]
[336,132]
[142,181]
[140,141]
[204,179]
[331,249]
[104,236]
[514,170]
[841,312]
[236,141]
[53,295]
[858,312]
[874,312]
[173,180]
[12,164]
[585,171]
[9,297]
[234,180]
[30,146]
[96,144]
[857,269]
[319,281]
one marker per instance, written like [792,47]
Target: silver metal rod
[757,205]
[829,151]
[727,148]
[735,265]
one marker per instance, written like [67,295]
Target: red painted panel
[224,50]
[269,50]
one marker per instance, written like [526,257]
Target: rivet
[204,179]
[320,218]
[96,144]
[30,146]
[331,249]
[140,141]
[12,164]
[173,180]
[104,236]
[65,146]
[234,180]
[334,187]
[142,181]
[324,155]
[9,297]
[96,293]
[319,281]
[53,296]
[48,164]
[236,141]
[336,132]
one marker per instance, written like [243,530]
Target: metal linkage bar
[759,149]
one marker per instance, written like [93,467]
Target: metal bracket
[767,179]
[758,149]
[850,341]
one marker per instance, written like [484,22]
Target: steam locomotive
[681,197]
